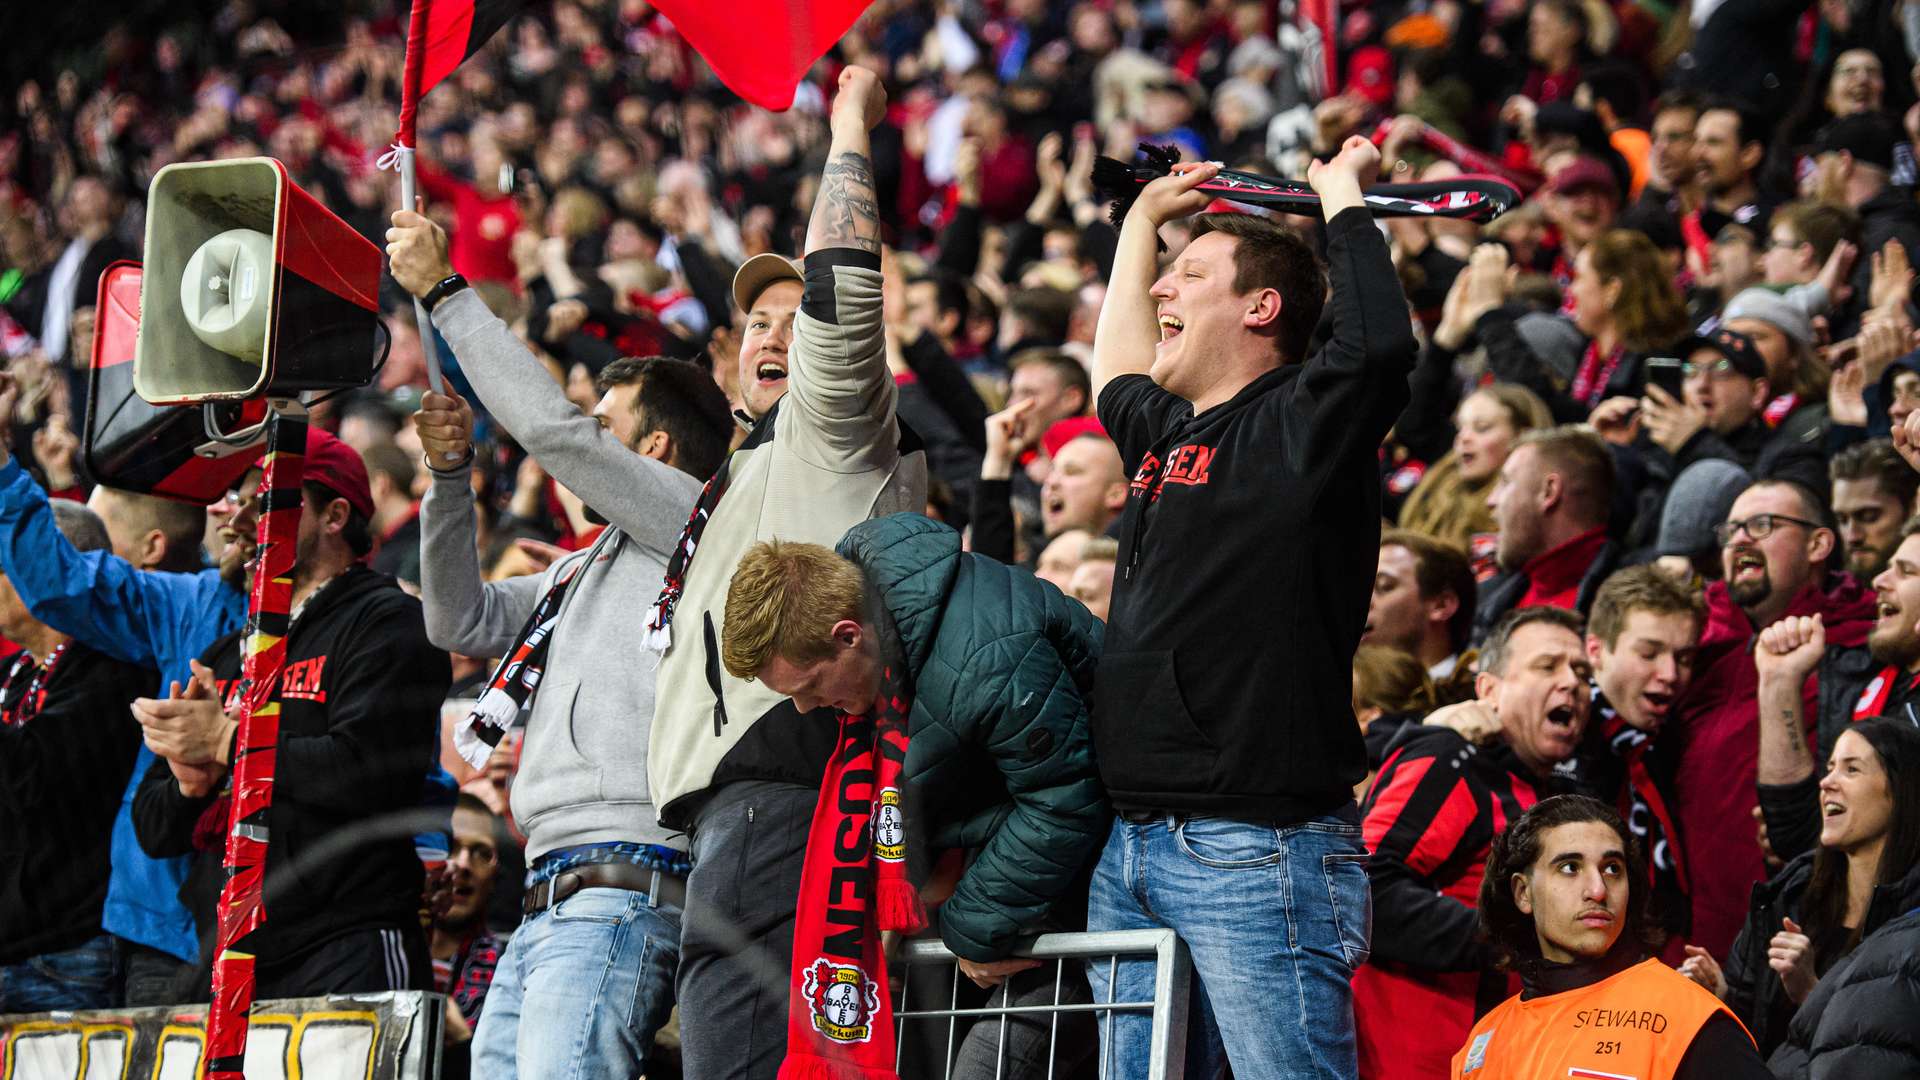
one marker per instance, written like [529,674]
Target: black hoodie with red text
[359,721]
[1247,553]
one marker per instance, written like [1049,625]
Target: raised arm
[846,213]
[647,499]
[839,406]
[1355,386]
[95,596]
[1129,327]
[464,614]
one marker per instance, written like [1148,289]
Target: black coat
[1754,992]
[1863,1019]
[62,775]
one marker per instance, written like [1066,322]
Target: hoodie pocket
[564,772]
[1145,739]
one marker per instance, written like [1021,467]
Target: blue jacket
[144,617]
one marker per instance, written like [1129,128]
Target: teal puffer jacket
[1001,759]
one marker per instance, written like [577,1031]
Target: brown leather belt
[658,887]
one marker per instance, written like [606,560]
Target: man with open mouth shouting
[1776,547]
[1446,789]
[1234,782]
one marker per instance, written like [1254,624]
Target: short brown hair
[783,601]
[1579,456]
[1640,588]
[1100,549]
[1071,373]
[1440,568]
[1877,460]
[1821,224]
[1270,256]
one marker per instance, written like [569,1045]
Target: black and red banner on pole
[759,48]
[256,746]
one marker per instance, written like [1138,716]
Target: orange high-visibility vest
[1635,1025]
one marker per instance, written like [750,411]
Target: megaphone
[251,288]
[173,451]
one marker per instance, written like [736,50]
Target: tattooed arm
[1787,652]
[846,213]
[838,412]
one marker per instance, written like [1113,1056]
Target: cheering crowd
[1494,650]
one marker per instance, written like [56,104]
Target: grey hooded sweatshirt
[583,768]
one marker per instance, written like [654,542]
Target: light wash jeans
[84,977]
[1276,920]
[592,979]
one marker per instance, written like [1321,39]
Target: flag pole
[427,344]
[400,157]
[242,909]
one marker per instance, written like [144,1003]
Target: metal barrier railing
[1168,1007]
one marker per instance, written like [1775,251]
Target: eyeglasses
[1759,527]
[1721,367]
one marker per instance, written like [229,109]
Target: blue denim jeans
[86,977]
[1276,920]
[592,976]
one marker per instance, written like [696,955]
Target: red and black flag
[760,49]
[441,34]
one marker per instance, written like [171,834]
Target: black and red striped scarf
[853,885]
[659,632]
[1643,804]
[23,691]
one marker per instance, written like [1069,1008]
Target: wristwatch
[442,289]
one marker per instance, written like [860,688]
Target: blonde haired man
[995,667]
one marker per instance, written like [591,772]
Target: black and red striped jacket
[1431,816]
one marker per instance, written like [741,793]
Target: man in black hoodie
[359,721]
[1223,722]
[66,750]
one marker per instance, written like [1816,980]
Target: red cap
[1065,431]
[1370,74]
[337,467]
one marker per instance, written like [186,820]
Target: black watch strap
[442,289]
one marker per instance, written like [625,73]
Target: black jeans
[154,977]
[736,940]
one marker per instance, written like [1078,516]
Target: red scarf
[854,885]
[1873,697]
[1780,408]
[1590,382]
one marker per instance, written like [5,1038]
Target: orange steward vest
[1635,1025]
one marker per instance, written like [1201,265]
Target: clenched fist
[860,100]
[417,252]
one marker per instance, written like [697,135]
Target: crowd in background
[1668,394]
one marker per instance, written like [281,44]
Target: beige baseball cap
[759,272]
